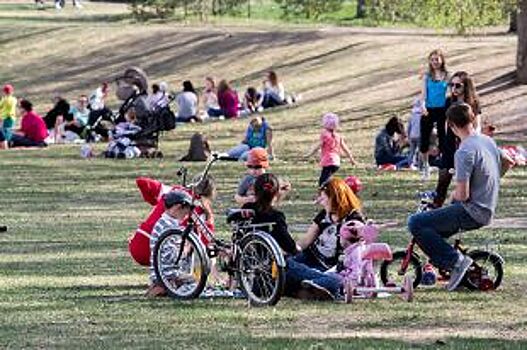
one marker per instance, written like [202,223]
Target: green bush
[308,8]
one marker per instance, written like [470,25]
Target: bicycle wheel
[259,274]
[182,270]
[486,272]
[391,270]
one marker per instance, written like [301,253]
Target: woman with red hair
[320,246]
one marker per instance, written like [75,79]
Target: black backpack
[166,118]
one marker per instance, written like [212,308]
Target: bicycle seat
[377,251]
[237,215]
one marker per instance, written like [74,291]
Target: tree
[308,8]
[521,60]
[361,8]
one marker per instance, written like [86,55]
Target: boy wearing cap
[177,208]
[257,163]
[7,115]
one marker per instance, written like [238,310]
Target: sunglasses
[456,85]
[254,166]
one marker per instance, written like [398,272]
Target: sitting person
[56,116]
[187,102]
[274,91]
[209,97]
[299,277]
[76,120]
[320,247]
[257,163]
[121,144]
[159,98]
[199,149]
[477,175]
[258,134]
[252,101]
[177,208]
[387,150]
[7,115]
[228,102]
[32,132]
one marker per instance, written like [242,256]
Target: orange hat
[258,157]
[8,89]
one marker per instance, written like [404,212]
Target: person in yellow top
[7,115]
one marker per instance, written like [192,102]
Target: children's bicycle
[486,272]
[182,261]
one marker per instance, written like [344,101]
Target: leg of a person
[3,140]
[21,141]
[297,272]
[443,183]
[439,115]
[431,228]
[308,260]
[414,144]
[326,173]
[215,112]
[238,151]
[401,162]
[427,124]
[245,156]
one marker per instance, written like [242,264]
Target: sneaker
[459,271]
[316,291]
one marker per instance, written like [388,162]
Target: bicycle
[486,272]
[182,262]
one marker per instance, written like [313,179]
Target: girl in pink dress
[331,145]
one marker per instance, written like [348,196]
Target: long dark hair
[266,188]
[440,54]
[188,87]
[470,95]
[394,125]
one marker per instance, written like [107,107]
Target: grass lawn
[66,280]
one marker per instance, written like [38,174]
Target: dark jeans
[326,173]
[215,112]
[297,272]
[309,260]
[432,227]
[22,141]
[270,101]
[399,161]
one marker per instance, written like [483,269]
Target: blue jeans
[307,258]
[297,272]
[432,227]
[399,161]
[240,152]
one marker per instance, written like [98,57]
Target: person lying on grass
[299,277]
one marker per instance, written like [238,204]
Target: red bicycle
[486,272]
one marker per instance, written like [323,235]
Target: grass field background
[66,279]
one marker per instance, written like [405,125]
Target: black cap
[177,197]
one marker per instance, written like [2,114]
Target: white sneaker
[459,271]
[57,6]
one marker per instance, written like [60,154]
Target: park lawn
[66,279]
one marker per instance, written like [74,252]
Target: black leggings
[435,116]
[326,173]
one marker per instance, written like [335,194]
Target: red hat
[258,157]
[150,189]
[8,89]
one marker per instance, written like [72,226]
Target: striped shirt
[165,222]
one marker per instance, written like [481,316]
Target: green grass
[66,279]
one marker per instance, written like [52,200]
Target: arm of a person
[241,200]
[347,151]
[464,165]
[269,137]
[308,239]
[313,150]
[423,96]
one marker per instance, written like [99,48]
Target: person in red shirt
[33,131]
[228,102]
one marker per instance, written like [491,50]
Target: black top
[326,248]
[279,232]
[61,108]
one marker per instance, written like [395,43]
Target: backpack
[167,119]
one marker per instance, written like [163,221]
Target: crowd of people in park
[445,129]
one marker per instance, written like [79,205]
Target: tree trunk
[361,8]
[513,21]
[521,60]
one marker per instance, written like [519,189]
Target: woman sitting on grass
[387,150]
[320,247]
[187,102]
[258,134]
[274,91]
[32,132]
[300,278]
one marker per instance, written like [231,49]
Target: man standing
[474,200]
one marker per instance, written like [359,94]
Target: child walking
[434,92]
[331,145]
[414,131]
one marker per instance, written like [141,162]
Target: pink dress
[330,148]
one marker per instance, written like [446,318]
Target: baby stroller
[132,89]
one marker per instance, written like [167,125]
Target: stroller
[132,88]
